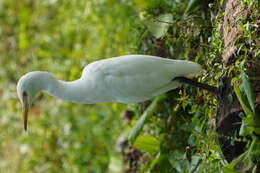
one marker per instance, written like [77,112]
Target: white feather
[125,79]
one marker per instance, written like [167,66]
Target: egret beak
[25,110]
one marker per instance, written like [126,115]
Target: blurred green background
[61,37]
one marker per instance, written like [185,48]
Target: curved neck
[70,91]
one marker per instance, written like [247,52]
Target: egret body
[125,79]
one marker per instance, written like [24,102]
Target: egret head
[28,85]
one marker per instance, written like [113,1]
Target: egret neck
[73,91]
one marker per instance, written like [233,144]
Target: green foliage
[147,143]
[142,120]
[175,132]
[190,34]
[159,26]
[248,91]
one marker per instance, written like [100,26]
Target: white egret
[125,79]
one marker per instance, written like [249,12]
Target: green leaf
[140,123]
[160,164]
[243,129]
[248,90]
[156,160]
[138,127]
[243,101]
[147,143]
[191,2]
[228,170]
[179,161]
[195,161]
[159,25]
[234,79]
[247,127]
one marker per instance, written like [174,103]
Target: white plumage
[125,79]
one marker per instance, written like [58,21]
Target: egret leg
[211,89]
